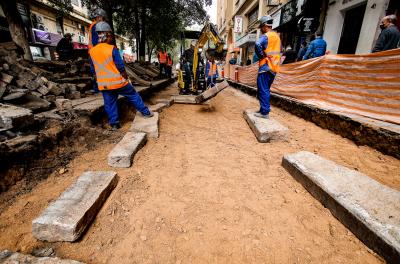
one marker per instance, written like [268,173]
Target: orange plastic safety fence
[367,85]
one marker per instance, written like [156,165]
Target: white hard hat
[103,27]
[266,20]
[99,12]
[193,43]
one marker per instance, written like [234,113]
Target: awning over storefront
[246,40]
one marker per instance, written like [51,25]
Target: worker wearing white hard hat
[111,76]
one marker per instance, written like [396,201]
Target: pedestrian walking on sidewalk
[111,76]
[169,65]
[268,49]
[317,47]
[390,35]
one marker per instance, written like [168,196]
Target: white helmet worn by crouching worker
[102,28]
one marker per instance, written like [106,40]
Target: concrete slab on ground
[266,130]
[122,154]
[146,125]
[66,218]
[369,209]
[184,99]
[158,107]
[167,101]
[15,117]
[8,257]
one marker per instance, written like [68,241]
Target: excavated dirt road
[207,192]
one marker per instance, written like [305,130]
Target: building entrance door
[351,30]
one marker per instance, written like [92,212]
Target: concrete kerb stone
[184,99]
[67,218]
[15,117]
[8,257]
[158,107]
[146,125]
[366,207]
[122,154]
[167,101]
[266,130]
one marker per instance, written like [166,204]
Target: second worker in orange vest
[111,76]
[268,49]
[162,60]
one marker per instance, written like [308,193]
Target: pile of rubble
[30,86]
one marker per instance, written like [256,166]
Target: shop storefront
[246,44]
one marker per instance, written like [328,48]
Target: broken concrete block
[6,77]
[27,75]
[33,85]
[63,104]
[51,98]
[157,107]
[55,89]
[146,125]
[71,88]
[5,66]
[167,101]
[43,90]
[122,154]
[3,88]
[66,218]
[17,68]
[265,130]
[211,92]
[8,257]
[15,117]
[13,96]
[35,103]
[73,95]
[21,83]
[369,209]
[184,99]
[37,94]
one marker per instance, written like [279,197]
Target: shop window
[253,16]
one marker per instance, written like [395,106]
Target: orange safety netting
[367,85]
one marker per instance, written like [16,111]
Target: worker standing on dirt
[169,65]
[111,76]
[211,72]
[162,60]
[268,49]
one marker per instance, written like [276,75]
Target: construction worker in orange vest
[99,15]
[111,76]
[169,65]
[162,60]
[268,49]
[211,72]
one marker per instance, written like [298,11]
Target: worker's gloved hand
[125,75]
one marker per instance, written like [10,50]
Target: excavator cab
[197,79]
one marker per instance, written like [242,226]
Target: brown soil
[207,192]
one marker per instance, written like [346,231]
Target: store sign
[248,39]
[288,12]
[307,24]
[238,28]
[276,19]
[45,37]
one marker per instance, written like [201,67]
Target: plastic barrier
[367,85]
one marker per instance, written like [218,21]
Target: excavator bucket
[213,53]
[212,92]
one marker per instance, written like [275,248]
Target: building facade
[348,26]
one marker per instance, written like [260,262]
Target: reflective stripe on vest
[212,70]
[162,57]
[272,52]
[90,44]
[169,61]
[107,75]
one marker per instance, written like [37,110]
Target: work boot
[258,114]
[149,115]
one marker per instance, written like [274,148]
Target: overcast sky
[212,11]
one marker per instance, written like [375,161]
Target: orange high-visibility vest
[272,52]
[107,75]
[162,57]
[90,44]
[212,70]
[169,61]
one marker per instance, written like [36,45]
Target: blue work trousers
[110,102]
[211,81]
[264,82]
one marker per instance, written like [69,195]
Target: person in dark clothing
[248,62]
[290,55]
[188,67]
[302,51]
[64,48]
[390,35]
[317,47]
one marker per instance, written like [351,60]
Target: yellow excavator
[198,78]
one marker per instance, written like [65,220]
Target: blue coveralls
[95,41]
[111,96]
[265,77]
[317,48]
[211,80]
